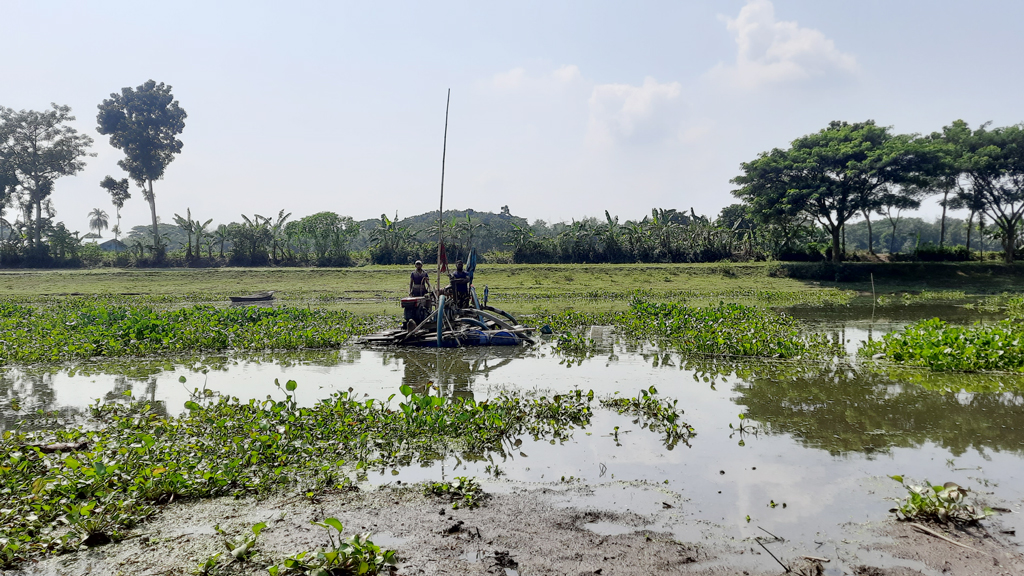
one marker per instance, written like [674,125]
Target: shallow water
[819,439]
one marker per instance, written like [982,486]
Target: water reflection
[842,408]
[453,373]
[839,407]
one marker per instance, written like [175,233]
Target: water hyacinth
[726,329]
[88,328]
[133,457]
[943,347]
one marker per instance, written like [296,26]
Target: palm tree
[221,235]
[277,232]
[98,221]
[187,226]
[201,232]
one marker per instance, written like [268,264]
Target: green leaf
[897,478]
[256,529]
[72,463]
[192,406]
[334,523]
[406,390]
[291,385]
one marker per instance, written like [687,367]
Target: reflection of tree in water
[842,409]
[28,400]
[452,371]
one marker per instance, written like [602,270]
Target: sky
[558,110]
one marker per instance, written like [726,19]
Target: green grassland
[375,289]
[517,288]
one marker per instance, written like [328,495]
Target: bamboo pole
[440,209]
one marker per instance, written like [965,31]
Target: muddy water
[812,453]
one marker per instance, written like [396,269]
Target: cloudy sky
[558,109]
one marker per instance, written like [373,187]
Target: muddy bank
[616,528]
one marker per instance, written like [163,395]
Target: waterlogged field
[374,290]
[741,419]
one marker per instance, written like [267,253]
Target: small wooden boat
[257,297]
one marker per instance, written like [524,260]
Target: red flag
[443,258]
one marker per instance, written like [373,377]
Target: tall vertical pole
[440,209]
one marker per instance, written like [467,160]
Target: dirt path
[525,530]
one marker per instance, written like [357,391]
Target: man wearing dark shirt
[419,281]
[460,280]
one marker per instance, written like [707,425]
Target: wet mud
[524,529]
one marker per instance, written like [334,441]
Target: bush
[929,252]
[497,257]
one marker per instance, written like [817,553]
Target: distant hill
[489,236]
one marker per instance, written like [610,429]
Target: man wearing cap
[419,281]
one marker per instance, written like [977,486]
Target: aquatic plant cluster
[941,346]
[88,328]
[115,470]
[946,503]
[725,329]
[660,416]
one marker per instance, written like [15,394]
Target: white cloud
[568,73]
[623,112]
[771,51]
[509,80]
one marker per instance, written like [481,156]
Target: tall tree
[830,175]
[118,190]
[144,123]
[992,161]
[36,148]
[893,202]
[98,221]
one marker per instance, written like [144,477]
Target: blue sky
[559,109]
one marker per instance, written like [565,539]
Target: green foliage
[943,347]
[655,414]
[242,546]
[137,456]
[829,176]
[946,503]
[144,123]
[574,348]
[353,555]
[87,328]
[462,492]
[726,329]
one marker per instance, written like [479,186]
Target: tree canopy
[36,148]
[144,123]
[830,175]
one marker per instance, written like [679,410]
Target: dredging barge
[446,318]
[437,321]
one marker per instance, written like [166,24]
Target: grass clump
[463,492]
[943,504]
[940,346]
[84,329]
[353,555]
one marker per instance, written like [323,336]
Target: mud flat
[615,528]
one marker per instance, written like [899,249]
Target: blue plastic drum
[504,338]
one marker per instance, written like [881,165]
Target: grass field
[517,288]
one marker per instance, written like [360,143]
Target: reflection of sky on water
[829,434]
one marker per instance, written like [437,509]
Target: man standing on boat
[460,281]
[419,281]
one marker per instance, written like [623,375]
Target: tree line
[831,194]
[861,169]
